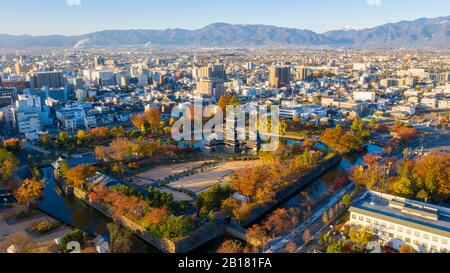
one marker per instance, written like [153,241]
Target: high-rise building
[280,76]
[99,61]
[301,73]
[26,116]
[218,71]
[7,96]
[443,77]
[211,87]
[51,79]
[204,72]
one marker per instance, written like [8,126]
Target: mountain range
[424,32]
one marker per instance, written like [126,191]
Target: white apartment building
[90,122]
[444,104]
[289,113]
[408,109]
[69,123]
[429,102]
[25,116]
[398,221]
[71,117]
[364,96]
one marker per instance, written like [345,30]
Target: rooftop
[414,214]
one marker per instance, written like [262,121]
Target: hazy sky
[70,17]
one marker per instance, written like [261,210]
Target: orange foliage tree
[150,119]
[30,190]
[100,133]
[13,145]
[77,176]
[405,133]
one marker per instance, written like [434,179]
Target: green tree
[74,236]
[347,199]
[63,138]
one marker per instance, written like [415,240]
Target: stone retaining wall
[210,231]
[285,193]
[197,238]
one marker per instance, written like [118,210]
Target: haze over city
[75,17]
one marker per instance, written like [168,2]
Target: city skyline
[76,17]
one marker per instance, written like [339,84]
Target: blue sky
[71,17]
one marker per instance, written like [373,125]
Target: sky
[74,17]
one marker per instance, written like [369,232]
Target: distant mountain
[420,33]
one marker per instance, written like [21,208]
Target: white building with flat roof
[364,96]
[398,221]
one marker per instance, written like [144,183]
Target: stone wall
[197,238]
[309,177]
[210,231]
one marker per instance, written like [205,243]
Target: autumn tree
[119,238]
[100,134]
[370,177]
[156,216]
[150,120]
[255,184]
[13,145]
[153,118]
[30,190]
[325,218]
[425,178]
[307,237]
[406,249]
[242,212]
[279,221]
[23,242]
[63,139]
[257,235]
[291,247]
[342,141]
[78,175]
[404,133]
[8,165]
[231,247]
[361,236]
[227,100]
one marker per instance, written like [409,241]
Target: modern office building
[204,72]
[211,87]
[50,79]
[7,96]
[279,76]
[301,73]
[398,221]
[218,71]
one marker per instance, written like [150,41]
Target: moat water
[77,214]
[80,216]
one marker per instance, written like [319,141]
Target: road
[314,223]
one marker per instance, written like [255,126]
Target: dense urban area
[88,156]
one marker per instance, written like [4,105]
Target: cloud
[373,2]
[73,2]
